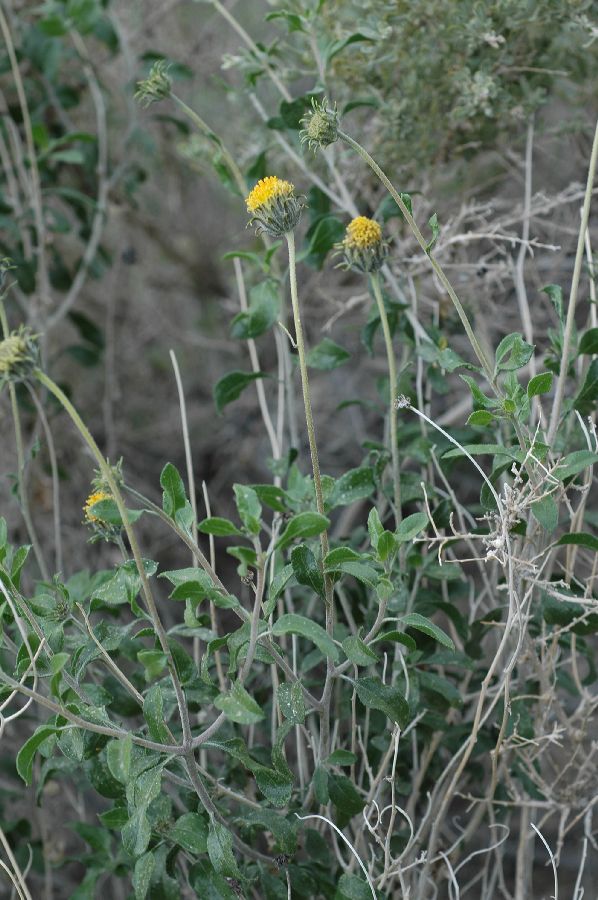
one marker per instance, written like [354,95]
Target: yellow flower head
[267,189]
[363,247]
[91,501]
[274,206]
[363,233]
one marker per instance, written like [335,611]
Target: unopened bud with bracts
[274,206]
[19,355]
[363,247]
[320,126]
[156,86]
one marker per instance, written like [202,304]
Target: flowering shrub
[397,674]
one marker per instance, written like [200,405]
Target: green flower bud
[320,126]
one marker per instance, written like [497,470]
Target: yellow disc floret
[266,190]
[363,233]
[91,501]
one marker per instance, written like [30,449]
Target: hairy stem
[311,433]
[392,390]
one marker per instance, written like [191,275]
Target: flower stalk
[477,349]
[392,391]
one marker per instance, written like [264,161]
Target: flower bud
[274,206]
[156,86]
[363,248]
[19,355]
[320,127]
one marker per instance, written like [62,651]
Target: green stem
[486,366]
[569,324]
[392,390]
[118,499]
[311,433]
[21,485]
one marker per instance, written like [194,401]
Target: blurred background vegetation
[117,220]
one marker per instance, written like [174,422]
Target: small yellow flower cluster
[266,190]
[363,233]
[91,501]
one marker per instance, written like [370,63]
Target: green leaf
[581,539]
[359,570]
[352,887]
[354,485]
[118,756]
[218,527]
[231,386]
[481,450]
[435,228]
[342,758]
[174,496]
[358,651]
[398,637]
[374,694]
[303,525]
[513,353]
[555,292]
[262,313]
[344,795]
[190,832]
[336,47]
[326,231]
[291,623]
[27,752]
[327,356]
[277,787]
[153,661]
[249,507]
[341,555]
[107,511]
[481,417]
[585,402]
[307,570]
[291,701]
[387,544]
[277,586]
[239,706]
[410,527]
[546,512]
[420,623]
[429,681]
[124,585]
[142,875]
[539,384]
[195,584]
[283,831]
[479,398]
[589,342]
[574,463]
[320,785]
[137,833]
[375,527]
[220,850]
[153,713]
